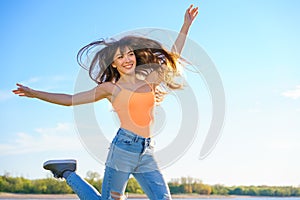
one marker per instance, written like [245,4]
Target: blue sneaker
[58,167]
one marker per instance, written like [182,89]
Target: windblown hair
[150,56]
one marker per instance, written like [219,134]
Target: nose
[127,58]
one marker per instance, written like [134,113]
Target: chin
[129,71]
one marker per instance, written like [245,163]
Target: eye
[120,57]
[131,53]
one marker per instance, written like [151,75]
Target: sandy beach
[73,196]
[37,196]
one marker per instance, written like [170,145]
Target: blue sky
[254,44]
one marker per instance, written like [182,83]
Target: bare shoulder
[106,90]
[154,78]
[107,87]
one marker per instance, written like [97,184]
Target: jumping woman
[127,72]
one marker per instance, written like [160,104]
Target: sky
[254,45]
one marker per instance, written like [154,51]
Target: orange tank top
[135,110]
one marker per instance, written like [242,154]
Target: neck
[128,79]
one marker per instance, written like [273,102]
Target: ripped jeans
[128,154]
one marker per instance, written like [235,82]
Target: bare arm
[190,14]
[95,94]
[189,17]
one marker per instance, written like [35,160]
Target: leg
[66,169]
[153,185]
[114,184]
[82,188]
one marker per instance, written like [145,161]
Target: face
[125,61]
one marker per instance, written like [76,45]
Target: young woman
[128,72]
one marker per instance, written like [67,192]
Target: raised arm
[93,95]
[190,14]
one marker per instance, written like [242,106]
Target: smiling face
[125,61]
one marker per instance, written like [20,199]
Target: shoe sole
[51,162]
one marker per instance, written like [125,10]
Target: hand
[23,91]
[190,14]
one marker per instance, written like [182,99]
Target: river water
[231,198]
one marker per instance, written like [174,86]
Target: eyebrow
[119,54]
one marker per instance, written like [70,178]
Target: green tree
[4,185]
[295,192]
[220,190]
[94,179]
[252,191]
[181,185]
[175,187]
[266,192]
[205,189]
[133,187]
[237,191]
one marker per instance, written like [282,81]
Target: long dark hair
[150,56]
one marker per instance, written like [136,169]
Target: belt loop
[119,130]
[136,138]
[147,142]
[146,145]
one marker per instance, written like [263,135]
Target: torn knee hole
[116,195]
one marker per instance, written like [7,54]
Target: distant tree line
[184,185]
[38,186]
[53,186]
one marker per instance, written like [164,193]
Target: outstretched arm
[95,94]
[190,14]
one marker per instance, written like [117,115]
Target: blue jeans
[128,154]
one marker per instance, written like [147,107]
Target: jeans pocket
[127,141]
[125,144]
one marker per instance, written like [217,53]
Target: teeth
[128,66]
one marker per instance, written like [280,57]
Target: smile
[128,66]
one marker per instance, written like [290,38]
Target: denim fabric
[129,154]
[82,188]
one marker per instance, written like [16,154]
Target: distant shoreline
[130,196]
[37,196]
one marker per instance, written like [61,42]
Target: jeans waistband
[132,135]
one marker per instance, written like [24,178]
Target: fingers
[21,90]
[20,86]
[18,92]
[193,11]
[190,7]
